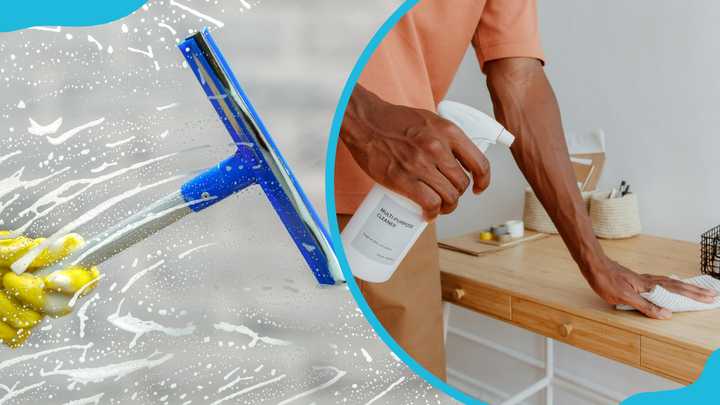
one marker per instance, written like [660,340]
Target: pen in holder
[615,218]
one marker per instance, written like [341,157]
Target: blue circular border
[334,229]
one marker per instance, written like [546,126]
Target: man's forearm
[524,102]
[355,127]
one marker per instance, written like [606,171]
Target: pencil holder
[535,216]
[615,218]
[710,252]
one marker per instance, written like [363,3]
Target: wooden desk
[538,287]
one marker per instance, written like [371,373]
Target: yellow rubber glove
[25,299]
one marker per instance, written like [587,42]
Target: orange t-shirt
[417,61]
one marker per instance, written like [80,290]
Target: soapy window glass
[219,307]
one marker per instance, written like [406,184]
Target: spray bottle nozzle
[506,138]
[478,126]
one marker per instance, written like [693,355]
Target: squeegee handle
[152,218]
[220,181]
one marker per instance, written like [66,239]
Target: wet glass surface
[220,307]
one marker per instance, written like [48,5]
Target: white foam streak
[92,40]
[233,371]
[117,371]
[14,182]
[196,248]
[148,53]
[79,293]
[249,389]
[384,392]
[169,28]
[60,195]
[20,359]
[338,375]
[198,14]
[102,167]
[8,202]
[120,142]
[13,392]
[137,276]
[365,354]
[140,327]
[43,130]
[9,155]
[93,400]
[233,383]
[167,106]
[82,313]
[65,136]
[242,329]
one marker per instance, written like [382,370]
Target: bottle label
[387,231]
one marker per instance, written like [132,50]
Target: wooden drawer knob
[458,293]
[566,329]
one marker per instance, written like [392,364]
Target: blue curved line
[703,391]
[334,229]
[19,14]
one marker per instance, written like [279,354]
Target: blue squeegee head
[257,159]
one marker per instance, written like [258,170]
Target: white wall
[645,72]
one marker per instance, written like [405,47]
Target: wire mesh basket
[710,252]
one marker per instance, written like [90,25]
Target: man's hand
[25,299]
[524,102]
[413,152]
[618,285]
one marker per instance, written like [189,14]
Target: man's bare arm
[524,102]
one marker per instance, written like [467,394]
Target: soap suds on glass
[99,123]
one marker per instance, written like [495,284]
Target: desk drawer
[685,365]
[580,332]
[470,295]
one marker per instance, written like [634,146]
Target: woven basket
[535,216]
[615,218]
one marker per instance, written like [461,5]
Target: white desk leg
[549,370]
[446,319]
[545,383]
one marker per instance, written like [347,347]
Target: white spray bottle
[386,225]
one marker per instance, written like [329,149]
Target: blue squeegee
[257,161]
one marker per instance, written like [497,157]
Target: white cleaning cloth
[680,303]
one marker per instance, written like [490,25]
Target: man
[392,136]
